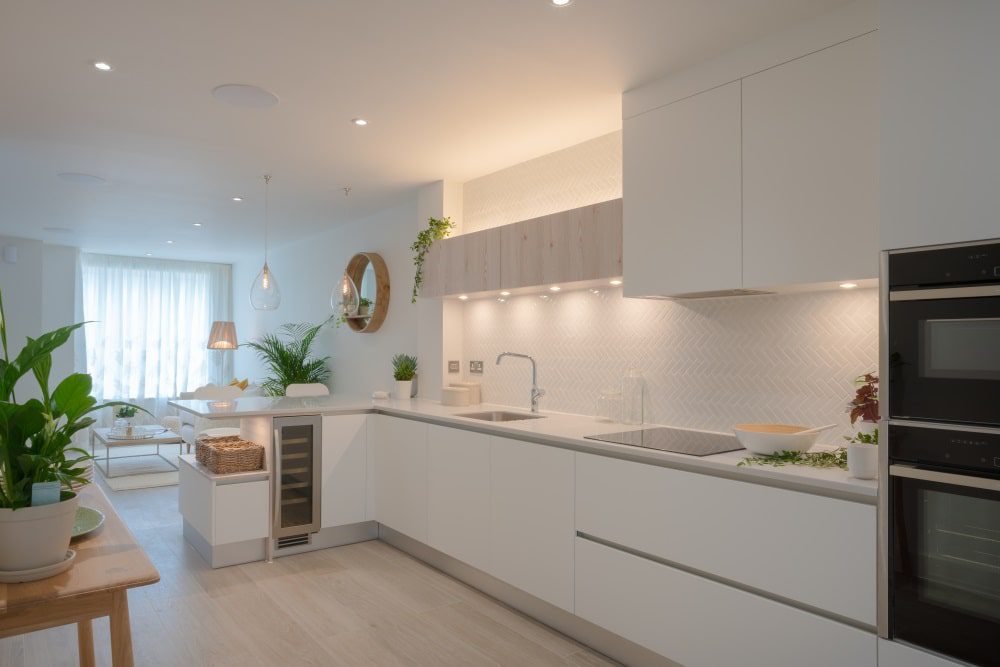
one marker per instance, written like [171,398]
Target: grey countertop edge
[847,489]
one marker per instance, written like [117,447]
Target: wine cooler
[297,477]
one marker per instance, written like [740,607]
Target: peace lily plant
[39,467]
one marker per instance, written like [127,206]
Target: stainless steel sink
[500,416]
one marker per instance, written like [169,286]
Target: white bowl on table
[774,438]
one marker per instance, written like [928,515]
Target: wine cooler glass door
[297,482]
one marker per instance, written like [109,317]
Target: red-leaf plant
[865,403]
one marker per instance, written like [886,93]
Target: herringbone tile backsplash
[708,364]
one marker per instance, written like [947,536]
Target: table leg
[121,632]
[85,640]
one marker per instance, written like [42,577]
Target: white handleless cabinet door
[458,494]
[810,168]
[681,184]
[344,471]
[531,526]
[400,470]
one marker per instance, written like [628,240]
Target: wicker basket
[228,454]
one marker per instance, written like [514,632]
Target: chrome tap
[536,393]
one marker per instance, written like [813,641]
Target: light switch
[453,367]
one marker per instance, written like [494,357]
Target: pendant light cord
[267,183]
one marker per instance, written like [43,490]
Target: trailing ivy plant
[437,229]
[835,459]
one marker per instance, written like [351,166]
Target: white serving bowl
[774,438]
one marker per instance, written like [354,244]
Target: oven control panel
[941,445]
[960,265]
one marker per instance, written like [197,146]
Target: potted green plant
[862,456]
[437,229]
[287,356]
[364,307]
[404,369]
[39,467]
[124,414]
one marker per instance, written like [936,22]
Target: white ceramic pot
[865,427]
[33,537]
[404,389]
[862,460]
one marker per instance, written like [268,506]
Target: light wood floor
[363,604]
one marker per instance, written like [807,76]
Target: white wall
[38,296]
[307,270]
[940,161]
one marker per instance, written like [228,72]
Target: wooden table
[107,564]
[103,435]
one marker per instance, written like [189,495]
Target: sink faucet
[536,393]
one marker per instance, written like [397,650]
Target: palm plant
[286,354]
[35,436]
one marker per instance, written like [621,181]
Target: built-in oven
[944,335]
[944,559]
[939,476]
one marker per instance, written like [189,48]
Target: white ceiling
[454,89]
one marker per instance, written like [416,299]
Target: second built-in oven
[944,335]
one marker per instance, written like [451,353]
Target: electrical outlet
[476,367]
[453,367]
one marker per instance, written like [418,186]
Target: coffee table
[103,435]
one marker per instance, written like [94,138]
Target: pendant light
[264,293]
[345,298]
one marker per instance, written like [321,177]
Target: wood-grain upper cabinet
[810,168]
[682,196]
[570,246]
[466,263]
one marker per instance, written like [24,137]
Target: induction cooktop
[678,440]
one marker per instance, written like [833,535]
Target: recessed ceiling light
[543,296]
[237,198]
[505,293]
[149,254]
[81,178]
[103,66]
[848,285]
[243,95]
[170,242]
[594,291]
[615,282]
[196,224]
[562,3]
[464,297]
[501,299]
[555,288]
[360,122]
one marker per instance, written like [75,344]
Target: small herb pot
[862,460]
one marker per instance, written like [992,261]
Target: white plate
[21,576]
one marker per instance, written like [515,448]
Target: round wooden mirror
[371,277]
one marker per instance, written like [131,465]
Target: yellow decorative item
[242,384]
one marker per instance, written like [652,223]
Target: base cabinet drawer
[702,623]
[814,550]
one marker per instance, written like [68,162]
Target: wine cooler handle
[276,518]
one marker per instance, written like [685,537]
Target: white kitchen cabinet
[531,519]
[894,654]
[241,512]
[810,168]
[458,494]
[344,473]
[702,623]
[681,185]
[399,449]
[815,550]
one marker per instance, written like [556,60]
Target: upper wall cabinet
[810,168]
[464,263]
[570,246]
[682,195]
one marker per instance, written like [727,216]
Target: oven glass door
[945,576]
[944,360]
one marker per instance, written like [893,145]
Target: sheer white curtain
[151,320]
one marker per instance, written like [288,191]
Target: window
[151,320]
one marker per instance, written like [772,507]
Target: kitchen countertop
[556,429]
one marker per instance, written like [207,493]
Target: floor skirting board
[595,637]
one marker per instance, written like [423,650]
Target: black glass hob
[678,440]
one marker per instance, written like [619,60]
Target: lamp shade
[223,336]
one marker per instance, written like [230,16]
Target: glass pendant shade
[345,299]
[264,293]
[223,336]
